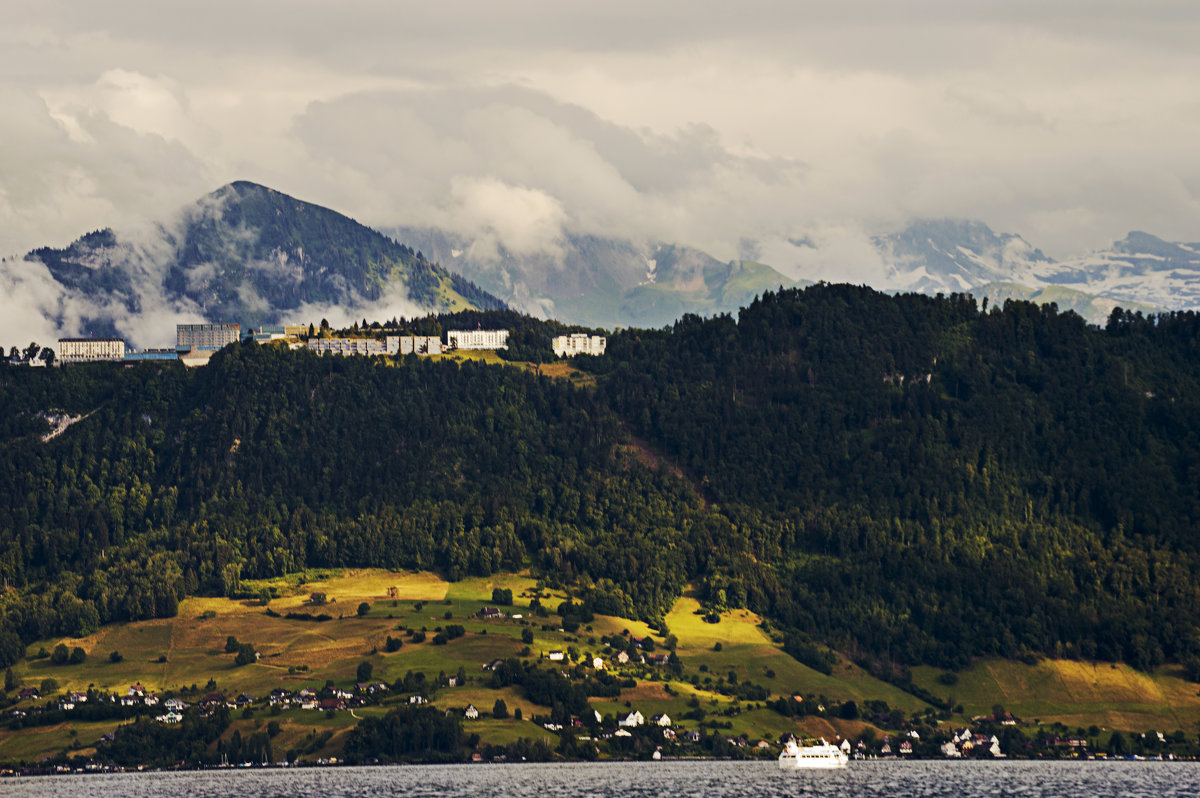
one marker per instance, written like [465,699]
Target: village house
[622,657]
[556,656]
[174,705]
[597,663]
[631,720]
[28,694]
[417,699]
[661,720]
[906,748]
[490,612]
[471,713]
[331,705]
[169,717]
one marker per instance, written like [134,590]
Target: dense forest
[908,479]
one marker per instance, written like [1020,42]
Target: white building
[579,344]
[84,350]
[417,345]
[348,346]
[631,720]
[477,339]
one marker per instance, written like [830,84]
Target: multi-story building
[348,346]
[85,350]
[147,355]
[579,344]
[477,339]
[420,345]
[206,337]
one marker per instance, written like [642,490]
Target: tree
[364,671]
[61,655]
[47,356]
[10,680]
[48,685]
[78,656]
[231,644]
[246,654]
[317,599]
[527,636]
[115,656]
[502,595]
[31,351]
[500,709]
[363,609]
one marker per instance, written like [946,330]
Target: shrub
[61,655]
[115,657]
[245,654]
[78,656]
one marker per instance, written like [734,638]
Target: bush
[317,599]
[418,637]
[527,636]
[393,644]
[78,656]
[61,655]
[48,685]
[231,644]
[502,595]
[363,609]
[365,669]
[500,709]
[115,657]
[948,678]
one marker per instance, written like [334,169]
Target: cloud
[702,123]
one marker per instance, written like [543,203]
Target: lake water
[651,779]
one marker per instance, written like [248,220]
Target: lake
[926,779]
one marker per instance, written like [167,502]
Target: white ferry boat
[803,757]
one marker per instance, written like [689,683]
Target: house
[661,720]
[578,344]
[692,736]
[338,692]
[471,712]
[452,681]
[994,748]
[331,705]
[150,700]
[886,748]
[210,701]
[28,693]
[491,666]
[308,703]
[136,690]
[244,699]
[659,659]
[170,717]
[66,705]
[556,656]
[490,612]
[631,720]
[668,734]
[130,700]
[174,705]
[417,699]
[77,697]
[950,750]
[621,733]
[845,746]
[905,748]
[379,687]
[622,657]
[597,663]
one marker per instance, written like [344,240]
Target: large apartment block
[579,344]
[477,339]
[206,337]
[85,350]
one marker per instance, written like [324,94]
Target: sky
[688,121]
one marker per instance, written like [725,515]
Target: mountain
[603,282]
[1140,272]
[250,254]
[1139,268]
[954,256]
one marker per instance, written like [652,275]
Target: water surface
[931,779]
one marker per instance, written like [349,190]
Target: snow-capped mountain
[1138,268]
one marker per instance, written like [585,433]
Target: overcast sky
[700,123]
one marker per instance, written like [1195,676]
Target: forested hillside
[929,482]
[906,478]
